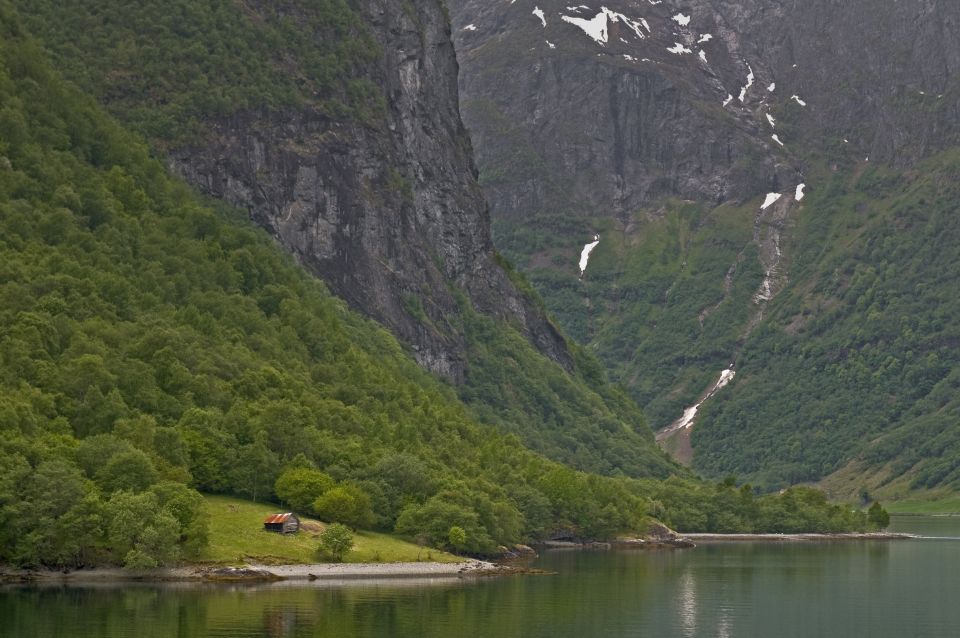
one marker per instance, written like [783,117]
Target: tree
[131,470]
[877,516]
[457,537]
[336,541]
[347,504]
[301,487]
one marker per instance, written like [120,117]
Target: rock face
[595,110]
[388,212]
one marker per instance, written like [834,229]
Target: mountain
[336,126]
[733,161]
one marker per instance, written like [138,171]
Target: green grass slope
[237,537]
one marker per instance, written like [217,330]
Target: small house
[282,523]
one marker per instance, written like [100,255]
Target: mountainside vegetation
[153,343]
[666,129]
[172,71]
[858,356]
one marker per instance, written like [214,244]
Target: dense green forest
[859,357]
[659,304]
[855,359]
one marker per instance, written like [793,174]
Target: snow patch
[629,57]
[796,98]
[746,87]
[537,11]
[770,200]
[773,122]
[596,27]
[728,100]
[470,27]
[799,194]
[703,56]
[550,44]
[706,37]
[681,19]
[585,253]
[679,49]
[776,138]
[772,87]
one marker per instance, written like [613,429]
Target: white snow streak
[776,138]
[703,56]
[743,91]
[679,49]
[770,200]
[773,122]
[796,98]
[728,100]
[772,87]
[706,37]
[470,27]
[681,19]
[537,11]
[799,194]
[690,413]
[585,253]
[550,44]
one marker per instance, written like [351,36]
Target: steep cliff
[387,210]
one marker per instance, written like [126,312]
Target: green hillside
[151,340]
[853,368]
[167,70]
[858,358]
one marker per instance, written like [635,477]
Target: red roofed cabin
[282,523]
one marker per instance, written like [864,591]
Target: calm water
[876,589]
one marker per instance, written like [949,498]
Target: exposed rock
[606,126]
[388,212]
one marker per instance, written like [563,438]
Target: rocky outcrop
[386,209]
[601,110]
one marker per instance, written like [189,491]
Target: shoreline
[256,573]
[806,537]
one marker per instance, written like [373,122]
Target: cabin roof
[278,518]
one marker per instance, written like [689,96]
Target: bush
[347,504]
[336,541]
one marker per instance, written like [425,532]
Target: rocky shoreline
[267,573]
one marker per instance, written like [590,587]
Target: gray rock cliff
[387,212]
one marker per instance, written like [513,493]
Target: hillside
[678,135]
[335,126]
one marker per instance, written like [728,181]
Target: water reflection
[687,600]
[885,590]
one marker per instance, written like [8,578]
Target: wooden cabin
[282,523]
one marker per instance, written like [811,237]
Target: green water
[876,589]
